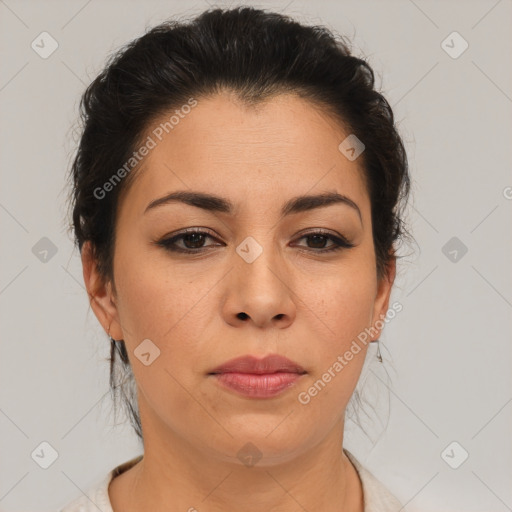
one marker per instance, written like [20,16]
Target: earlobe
[100,293]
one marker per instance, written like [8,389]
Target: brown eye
[187,242]
[193,240]
[317,240]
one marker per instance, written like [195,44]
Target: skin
[299,303]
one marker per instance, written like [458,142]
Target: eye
[193,241]
[318,240]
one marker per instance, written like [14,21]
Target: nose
[260,293]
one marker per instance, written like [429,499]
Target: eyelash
[168,243]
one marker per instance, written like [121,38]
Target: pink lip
[249,364]
[258,385]
[258,378]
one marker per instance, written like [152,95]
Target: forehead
[282,147]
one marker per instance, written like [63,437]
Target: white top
[376,497]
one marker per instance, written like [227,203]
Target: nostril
[243,316]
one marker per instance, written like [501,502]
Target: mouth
[273,363]
[258,378]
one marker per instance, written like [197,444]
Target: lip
[272,363]
[258,378]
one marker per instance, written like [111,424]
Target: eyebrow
[215,203]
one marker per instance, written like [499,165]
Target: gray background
[448,353]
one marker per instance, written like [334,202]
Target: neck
[189,478]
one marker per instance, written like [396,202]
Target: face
[257,279]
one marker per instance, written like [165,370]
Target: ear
[381,305]
[101,296]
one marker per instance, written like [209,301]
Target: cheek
[356,305]
[164,307]
[156,298]
[344,307]
[171,308]
[345,311]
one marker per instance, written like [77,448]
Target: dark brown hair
[256,54]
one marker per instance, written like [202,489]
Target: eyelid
[322,231]
[189,231]
[339,241]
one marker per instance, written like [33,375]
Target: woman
[236,201]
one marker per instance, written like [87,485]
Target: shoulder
[377,498]
[97,498]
